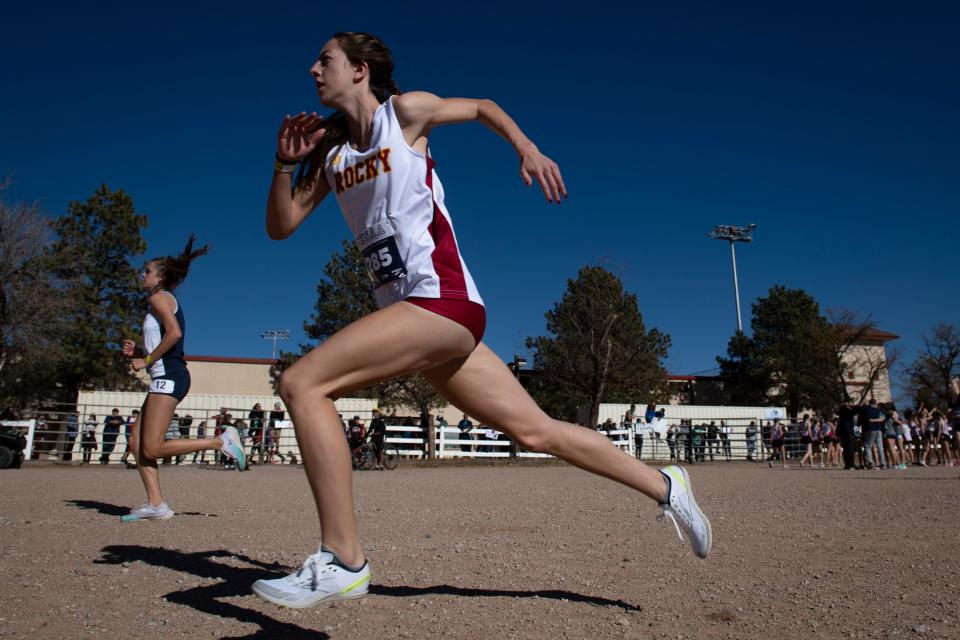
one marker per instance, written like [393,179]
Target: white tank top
[153,333]
[392,201]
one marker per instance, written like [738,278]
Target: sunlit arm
[420,112]
[287,209]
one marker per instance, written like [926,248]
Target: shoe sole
[241,460]
[130,517]
[686,479]
[330,597]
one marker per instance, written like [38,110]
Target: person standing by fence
[465,426]
[183,427]
[700,434]
[256,429]
[871,428]
[713,439]
[173,433]
[725,432]
[944,436]
[845,418]
[274,430]
[128,434]
[111,431]
[828,439]
[378,437]
[777,443]
[201,433]
[373,153]
[88,439]
[638,429]
[672,442]
[685,440]
[70,436]
[891,435]
[806,440]
[765,437]
[162,356]
[912,447]
[750,434]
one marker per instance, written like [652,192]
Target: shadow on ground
[236,581]
[449,590]
[108,509]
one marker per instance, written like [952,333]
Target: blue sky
[832,126]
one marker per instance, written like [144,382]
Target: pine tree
[97,241]
[600,350]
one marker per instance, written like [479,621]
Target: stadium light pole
[734,234]
[275,334]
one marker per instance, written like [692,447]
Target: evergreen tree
[344,295]
[791,359]
[746,380]
[600,350]
[96,241]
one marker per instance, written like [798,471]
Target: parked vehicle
[12,444]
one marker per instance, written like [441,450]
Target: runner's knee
[294,388]
[151,451]
[538,438]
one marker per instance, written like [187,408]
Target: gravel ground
[486,552]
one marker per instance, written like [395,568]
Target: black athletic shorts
[172,383]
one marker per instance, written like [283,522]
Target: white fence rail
[57,436]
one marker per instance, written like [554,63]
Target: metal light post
[275,334]
[734,234]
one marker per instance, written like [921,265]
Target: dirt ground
[486,552]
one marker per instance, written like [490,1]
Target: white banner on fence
[658,426]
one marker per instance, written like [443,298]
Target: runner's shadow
[101,507]
[108,509]
[234,581]
[450,590]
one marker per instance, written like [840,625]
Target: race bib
[381,256]
[161,385]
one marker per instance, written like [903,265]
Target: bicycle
[365,456]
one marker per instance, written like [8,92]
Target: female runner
[163,329]
[372,155]
[807,439]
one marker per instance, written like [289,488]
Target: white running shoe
[233,447]
[149,512]
[680,504]
[321,579]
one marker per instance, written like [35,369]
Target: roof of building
[874,334]
[228,360]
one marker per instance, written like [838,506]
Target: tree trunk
[431,435]
[598,396]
